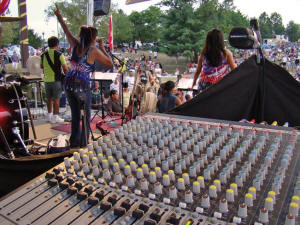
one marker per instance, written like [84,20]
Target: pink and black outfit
[210,74]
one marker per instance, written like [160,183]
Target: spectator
[15,61]
[167,100]
[130,80]
[155,54]
[126,96]
[115,85]
[96,98]
[188,97]
[114,106]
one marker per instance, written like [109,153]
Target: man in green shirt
[53,62]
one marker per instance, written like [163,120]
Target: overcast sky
[289,10]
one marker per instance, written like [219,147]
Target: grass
[168,62]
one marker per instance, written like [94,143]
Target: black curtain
[243,94]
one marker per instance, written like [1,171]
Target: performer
[213,61]
[77,79]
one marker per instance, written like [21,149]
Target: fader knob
[173,192]
[205,201]
[186,179]
[249,199]
[93,200]
[81,195]
[158,188]
[63,185]
[230,195]
[223,206]
[130,181]
[290,220]
[212,191]
[242,211]
[144,184]
[52,182]
[188,196]
[294,209]
[166,180]
[180,184]
[152,177]
[196,187]
[72,190]
[263,216]
[269,204]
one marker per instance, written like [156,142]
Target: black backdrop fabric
[239,95]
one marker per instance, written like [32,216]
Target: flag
[111,35]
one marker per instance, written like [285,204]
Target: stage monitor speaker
[242,38]
[101,7]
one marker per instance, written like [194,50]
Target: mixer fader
[162,169]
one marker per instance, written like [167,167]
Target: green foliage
[277,24]
[147,24]
[10,33]
[293,31]
[266,26]
[122,27]
[185,28]
[73,11]
[34,39]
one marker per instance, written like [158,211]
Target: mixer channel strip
[169,170]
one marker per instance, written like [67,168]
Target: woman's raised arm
[71,39]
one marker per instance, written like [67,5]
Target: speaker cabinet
[101,7]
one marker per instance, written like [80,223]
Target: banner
[128,2]
[110,35]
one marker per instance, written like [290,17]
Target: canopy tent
[239,95]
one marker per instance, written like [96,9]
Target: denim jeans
[77,138]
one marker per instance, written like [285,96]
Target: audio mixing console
[162,169]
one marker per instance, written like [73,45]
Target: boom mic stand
[121,81]
[260,61]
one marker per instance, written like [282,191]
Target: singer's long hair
[87,35]
[214,47]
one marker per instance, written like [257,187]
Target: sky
[36,18]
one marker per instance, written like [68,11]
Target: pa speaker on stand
[101,7]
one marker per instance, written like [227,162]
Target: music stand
[101,77]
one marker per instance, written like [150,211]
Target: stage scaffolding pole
[23,31]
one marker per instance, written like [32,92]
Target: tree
[34,39]
[277,25]
[185,29]
[11,33]
[74,11]
[293,31]
[266,26]
[123,28]
[180,30]
[147,24]
[228,4]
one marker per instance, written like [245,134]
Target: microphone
[254,26]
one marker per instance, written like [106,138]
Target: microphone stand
[260,61]
[121,81]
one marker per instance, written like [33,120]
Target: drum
[13,113]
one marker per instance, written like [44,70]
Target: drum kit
[15,117]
